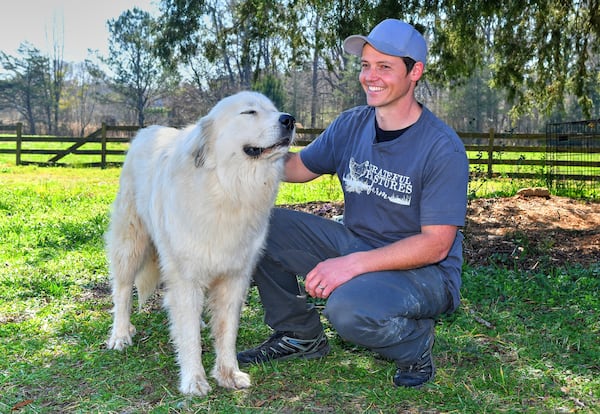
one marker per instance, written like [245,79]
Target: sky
[80,24]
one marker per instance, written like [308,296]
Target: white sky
[79,24]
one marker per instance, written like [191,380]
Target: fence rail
[491,154]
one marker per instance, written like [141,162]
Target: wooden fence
[34,145]
[491,154]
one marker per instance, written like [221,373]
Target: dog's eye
[249,112]
[253,152]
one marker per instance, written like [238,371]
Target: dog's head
[245,127]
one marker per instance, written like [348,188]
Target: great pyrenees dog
[192,213]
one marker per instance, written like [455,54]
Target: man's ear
[417,71]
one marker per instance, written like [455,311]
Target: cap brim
[354,44]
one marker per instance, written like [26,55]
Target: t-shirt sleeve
[323,155]
[444,198]
[319,155]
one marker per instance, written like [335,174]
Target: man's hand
[331,273]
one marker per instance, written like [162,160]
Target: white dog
[192,211]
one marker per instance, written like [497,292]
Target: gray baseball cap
[391,37]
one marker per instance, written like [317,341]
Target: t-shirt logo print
[371,179]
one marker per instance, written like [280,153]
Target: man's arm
[296,171]
[430,246]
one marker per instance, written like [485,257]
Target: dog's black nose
[287,121]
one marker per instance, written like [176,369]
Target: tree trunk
[314,101]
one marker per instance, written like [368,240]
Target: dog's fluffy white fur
[192,212]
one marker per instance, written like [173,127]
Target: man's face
[384,78]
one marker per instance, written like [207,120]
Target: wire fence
[573,155]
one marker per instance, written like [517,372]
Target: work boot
[417,374]
[282,346]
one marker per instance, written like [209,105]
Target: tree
[234,44]
[55,84]
[539,52]
[36,85]
[25,88]
[177,29]
[243,41]
[140,78]
[80,93]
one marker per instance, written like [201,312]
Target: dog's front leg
[184,301]
[227,296]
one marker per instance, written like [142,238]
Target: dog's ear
[203,131]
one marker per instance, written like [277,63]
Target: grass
[521,342]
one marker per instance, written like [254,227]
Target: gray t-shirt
[393,188]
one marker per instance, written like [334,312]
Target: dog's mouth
[256,152]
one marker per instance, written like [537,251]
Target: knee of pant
[346,319]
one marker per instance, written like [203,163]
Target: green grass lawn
[521,342]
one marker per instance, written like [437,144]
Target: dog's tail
[147,278]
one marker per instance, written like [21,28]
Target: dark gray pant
[392,313]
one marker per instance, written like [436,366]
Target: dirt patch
[525,233]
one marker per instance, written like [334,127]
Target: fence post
[490,154]
[103,149]
[19,142]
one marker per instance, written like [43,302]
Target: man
[394,264]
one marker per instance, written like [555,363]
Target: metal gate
[573,157]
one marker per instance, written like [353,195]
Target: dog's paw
[236,380]
[197,386]
[120,341]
